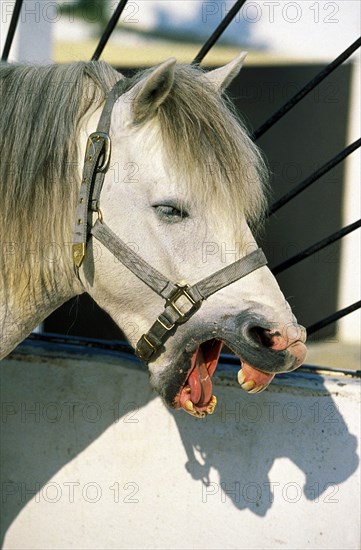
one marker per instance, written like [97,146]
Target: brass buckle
[143,354]
[96,137]
[78,253]
[182,291]
[171,325]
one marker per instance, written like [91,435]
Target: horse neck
[26,299]
[37,275]
[30,290]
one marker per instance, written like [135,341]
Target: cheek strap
[182,301]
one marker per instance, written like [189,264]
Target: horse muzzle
[264,350]
[268,347]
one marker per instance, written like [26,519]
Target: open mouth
[196,394]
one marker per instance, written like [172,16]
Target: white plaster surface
[91,458]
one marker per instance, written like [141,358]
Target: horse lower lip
[267,359]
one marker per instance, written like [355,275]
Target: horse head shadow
[247,435]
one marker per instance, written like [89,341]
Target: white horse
[184,189]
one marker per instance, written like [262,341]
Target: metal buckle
[171,325]
[78,253]
[182,291]
[145,348]
[145,354]
[97,136]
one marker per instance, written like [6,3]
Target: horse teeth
[188,405]
[241,377]
[258,388]
[187,389]
[213,400]
[247,386]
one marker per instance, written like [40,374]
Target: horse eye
[170,213]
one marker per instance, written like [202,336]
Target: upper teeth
[241,376]
[249,385]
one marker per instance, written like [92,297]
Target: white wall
[91,458]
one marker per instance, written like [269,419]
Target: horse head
[185,191]
[173,187]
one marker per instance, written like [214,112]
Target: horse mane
[207,144]
[41,111]
[42,108]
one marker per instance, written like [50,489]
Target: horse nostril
[265,337]
[277,339]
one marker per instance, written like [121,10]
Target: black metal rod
[316,247]
[313,177]
[109,29]
[12,28]
[332,318]
[217,33]
[306,90]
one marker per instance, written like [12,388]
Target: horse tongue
[199,381]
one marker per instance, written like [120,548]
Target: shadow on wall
[55,405]
[249,436]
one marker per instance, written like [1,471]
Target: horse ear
[222,77]
[148,94]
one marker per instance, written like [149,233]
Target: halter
[182,301]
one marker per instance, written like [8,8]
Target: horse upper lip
[270,360]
